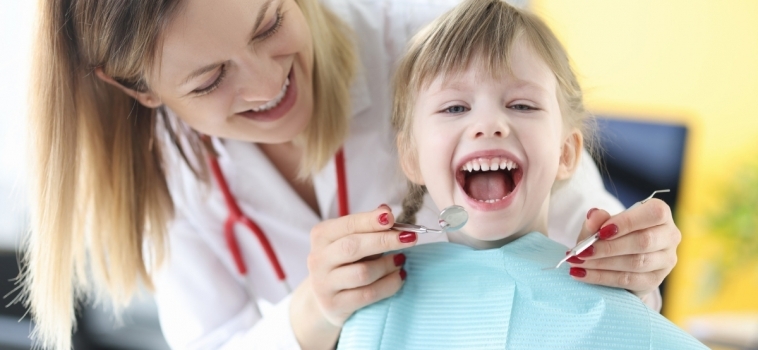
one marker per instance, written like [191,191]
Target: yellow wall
[678,60]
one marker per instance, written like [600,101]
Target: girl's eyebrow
[207,68]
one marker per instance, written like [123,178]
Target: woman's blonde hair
[479,32]
[100,201]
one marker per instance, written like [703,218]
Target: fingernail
[575,260]
[589,213]
[384,205]
[403,274]
[399,259]
[384,219]
[608,231]
[587,252]
[407,237]
[577,272]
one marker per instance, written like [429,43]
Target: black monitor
[638,157]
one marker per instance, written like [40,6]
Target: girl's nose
[491,125]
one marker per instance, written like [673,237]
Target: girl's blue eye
[522,107]
[456,109]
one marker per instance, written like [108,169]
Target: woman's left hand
[636,250]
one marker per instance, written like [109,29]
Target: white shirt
[204,303]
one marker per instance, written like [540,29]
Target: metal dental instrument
[587,242]
[452,218]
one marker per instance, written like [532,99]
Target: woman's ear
[409,162]
[571,153]
[147,99]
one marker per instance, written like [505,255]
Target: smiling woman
[151,51]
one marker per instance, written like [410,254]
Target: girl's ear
[147,99]
[571,153]
[409,162]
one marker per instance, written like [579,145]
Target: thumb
[595,219]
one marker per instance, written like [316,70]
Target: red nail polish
[407,237]
[589,213]
[587,252]
[403,274]
[384,219]
[608,231]
[577,272]
[399,259]
[575,260]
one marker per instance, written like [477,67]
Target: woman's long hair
[100,201]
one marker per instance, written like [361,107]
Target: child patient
[489,116]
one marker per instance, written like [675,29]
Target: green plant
[735,225]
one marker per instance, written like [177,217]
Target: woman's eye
[455,109]
[272,27]
[213,84]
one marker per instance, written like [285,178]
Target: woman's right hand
[347,270]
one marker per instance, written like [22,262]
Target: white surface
[15,40]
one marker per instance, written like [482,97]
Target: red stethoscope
[236,216]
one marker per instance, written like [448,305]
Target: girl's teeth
[493,164]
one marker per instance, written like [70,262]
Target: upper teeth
[492,164]
[275,101]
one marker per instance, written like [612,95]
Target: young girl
[489,116]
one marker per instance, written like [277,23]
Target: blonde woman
[208,149]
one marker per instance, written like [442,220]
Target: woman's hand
[347,268]
[636,250]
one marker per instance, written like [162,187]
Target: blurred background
[675,86]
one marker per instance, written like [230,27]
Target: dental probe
[587,242]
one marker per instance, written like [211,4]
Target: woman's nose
[261,80]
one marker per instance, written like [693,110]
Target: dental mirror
[452,218]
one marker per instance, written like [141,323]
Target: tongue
[488,185]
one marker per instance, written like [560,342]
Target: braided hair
[412,203]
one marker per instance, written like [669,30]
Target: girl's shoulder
[458,297]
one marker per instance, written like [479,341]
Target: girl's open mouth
[489,180]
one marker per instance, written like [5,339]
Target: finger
[643,262]
[632,281]
[595,218]
[652,213]
[352,248]
[354,299]
[328,231]
[644,241]
[364,273]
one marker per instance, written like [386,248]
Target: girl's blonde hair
[480,32]
[100,201]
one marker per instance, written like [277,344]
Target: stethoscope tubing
[236,216]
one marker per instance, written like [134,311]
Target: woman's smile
[277,107]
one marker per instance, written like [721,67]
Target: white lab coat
[204,303]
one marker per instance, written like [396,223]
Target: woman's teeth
[275,101]
[493,164]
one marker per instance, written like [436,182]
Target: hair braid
[412,203]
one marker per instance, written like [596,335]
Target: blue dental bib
[456,297]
